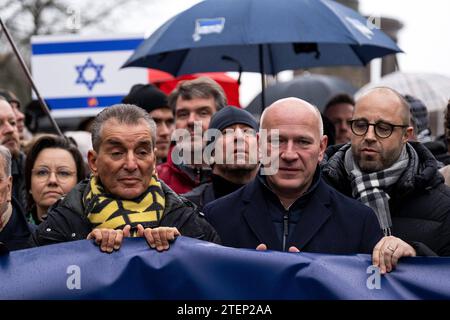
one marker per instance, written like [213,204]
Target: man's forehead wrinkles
[193,108]
[7,117]
[120,141]
[377,117]
[126,133]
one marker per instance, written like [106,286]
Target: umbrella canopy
[314,88]
[266,36]
[226,35]
[432,89]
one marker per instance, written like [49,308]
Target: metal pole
[228,58]
[28,74]
[263,80]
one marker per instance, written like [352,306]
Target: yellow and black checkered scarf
[105,211]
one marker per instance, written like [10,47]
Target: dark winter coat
[67,220]
[419,202]
[16,233]
[329,222]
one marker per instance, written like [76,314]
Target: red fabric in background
[166,82]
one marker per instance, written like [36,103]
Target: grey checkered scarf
[369,188]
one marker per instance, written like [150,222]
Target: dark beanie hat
[231,115]
[418,111]
[147,97]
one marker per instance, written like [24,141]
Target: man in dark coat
[396,178]
[69,220]
[291,208]
[123,197]
[9,137]
[14,230]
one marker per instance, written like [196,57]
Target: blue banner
[194,269]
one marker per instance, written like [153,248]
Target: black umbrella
[266,36]
[314,88]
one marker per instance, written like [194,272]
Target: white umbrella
[432,89]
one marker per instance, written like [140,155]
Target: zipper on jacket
[285,228]
[198,172]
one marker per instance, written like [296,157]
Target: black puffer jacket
[17,172]
[419,201]
[201,195]
[67,221]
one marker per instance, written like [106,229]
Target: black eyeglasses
[382,129]
[43,174]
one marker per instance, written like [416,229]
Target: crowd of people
[189,164]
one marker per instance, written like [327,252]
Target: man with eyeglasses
[398,179]
[14,229]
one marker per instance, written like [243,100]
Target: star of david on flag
[87,77]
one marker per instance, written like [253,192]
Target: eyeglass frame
[41,178]
[374,124]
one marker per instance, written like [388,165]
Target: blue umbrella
[266,36]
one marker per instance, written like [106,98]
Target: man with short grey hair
[123,197]
[14,231]
[154,101]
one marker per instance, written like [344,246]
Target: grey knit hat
[418,111]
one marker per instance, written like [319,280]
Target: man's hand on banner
[158,238]
[387,252]
[263,247]
[109,239]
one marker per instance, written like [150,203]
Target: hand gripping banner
[192,270]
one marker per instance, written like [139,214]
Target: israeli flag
[79,75]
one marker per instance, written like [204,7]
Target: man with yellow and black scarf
[123,197]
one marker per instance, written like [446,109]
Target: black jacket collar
[222,186]
[315,213]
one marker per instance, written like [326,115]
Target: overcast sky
[425,37]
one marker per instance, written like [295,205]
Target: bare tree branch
[7,5]
[27,18]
